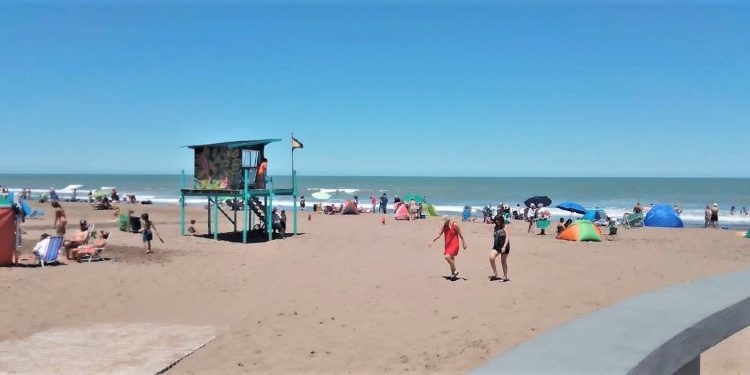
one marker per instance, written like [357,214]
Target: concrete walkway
[103,349]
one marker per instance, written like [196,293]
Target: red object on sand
[7,236]
[383,221]
[309,217]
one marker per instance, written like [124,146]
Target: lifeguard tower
[227,172]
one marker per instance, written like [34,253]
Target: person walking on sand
[149,229]
[530,216]
[500,246]
[374,203]
[302,203]
[61,220]
[452,233]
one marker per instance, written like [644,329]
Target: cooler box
[7,235]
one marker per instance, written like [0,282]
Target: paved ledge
[660,332]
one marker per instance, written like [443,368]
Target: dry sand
[352,295]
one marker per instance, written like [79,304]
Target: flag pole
[294,191]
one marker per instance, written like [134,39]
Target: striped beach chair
[54,245]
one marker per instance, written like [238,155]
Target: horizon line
[379,176]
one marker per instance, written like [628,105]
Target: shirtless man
[80,237]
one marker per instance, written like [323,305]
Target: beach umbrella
[99,194]
[321,195]
[537,200]
[581,230]
[572,207]
[417,198]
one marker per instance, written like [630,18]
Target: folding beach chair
[94,253]
[54,245]
[633,221]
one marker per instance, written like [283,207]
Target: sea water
[448,194]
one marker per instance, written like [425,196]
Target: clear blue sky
[484,89]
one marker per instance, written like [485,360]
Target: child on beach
[500,246]
[560,226]
[148,233]
[452,233]
[191,228]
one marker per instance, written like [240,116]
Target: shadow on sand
[252,236]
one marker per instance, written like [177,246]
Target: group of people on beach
[81,237]
[454,239]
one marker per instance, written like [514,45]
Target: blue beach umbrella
[572,207]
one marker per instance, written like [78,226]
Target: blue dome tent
[663,215]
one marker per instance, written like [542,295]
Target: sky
[416,88]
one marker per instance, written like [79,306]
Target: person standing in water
[500,246]
[61,220]
[452,233]
[715,215]
[148,233]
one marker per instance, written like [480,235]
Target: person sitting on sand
[560,226]
[89,249]
[191,228]
[80,237]
[276,222]
[452,233]
[413,209]
[500,246]
[149,229]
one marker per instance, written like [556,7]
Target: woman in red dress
[452,233]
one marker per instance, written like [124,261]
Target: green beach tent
[581,230]
[429,210]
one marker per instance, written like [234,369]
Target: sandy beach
[352,295]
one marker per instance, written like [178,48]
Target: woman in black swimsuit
[500,246]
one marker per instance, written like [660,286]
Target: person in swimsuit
[148,233]
[452,233]
[715,215]
[500,246]
[80,237]
[61,220]
[89,249]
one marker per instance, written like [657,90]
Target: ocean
[449,194]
